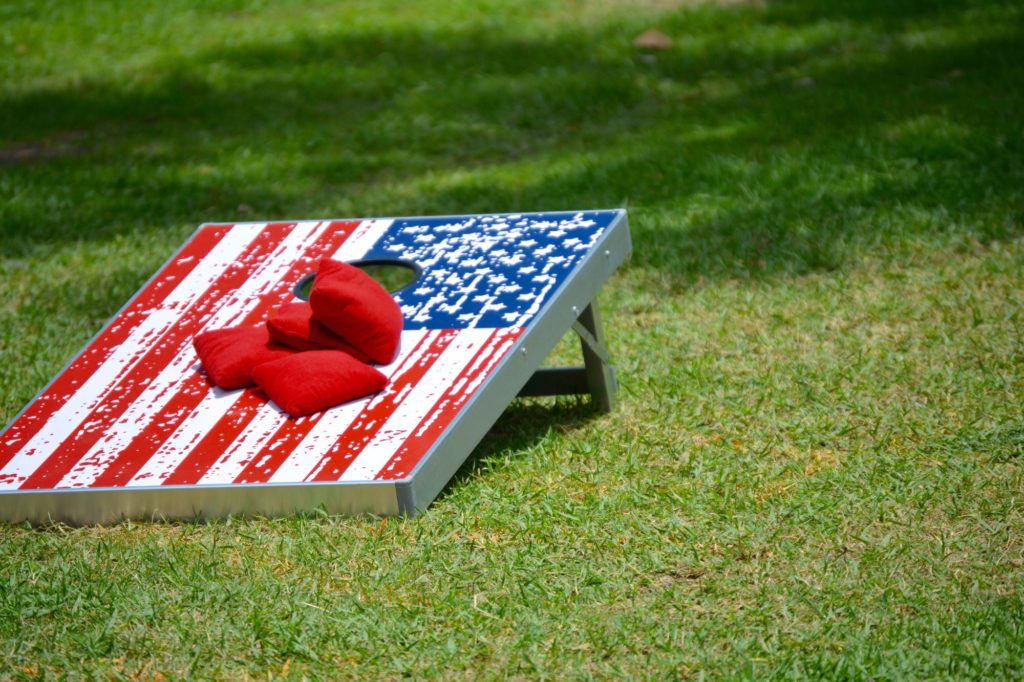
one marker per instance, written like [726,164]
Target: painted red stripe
[372,419]
[447,407]
[166,422]
[170,343]
[217,439]
[280,445]
[78,372]
[265,464]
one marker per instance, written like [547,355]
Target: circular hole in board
[392,274]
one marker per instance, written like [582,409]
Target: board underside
[132,428]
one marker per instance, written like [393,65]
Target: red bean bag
[229,355]
[355,307]
[315,380]
[293,325]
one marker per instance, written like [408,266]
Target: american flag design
[133,409]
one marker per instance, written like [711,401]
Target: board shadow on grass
[524,424]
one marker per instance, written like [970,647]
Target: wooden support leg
[597,376]
[600,373]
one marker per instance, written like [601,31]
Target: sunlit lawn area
[815,469]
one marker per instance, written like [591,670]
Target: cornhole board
[132,428]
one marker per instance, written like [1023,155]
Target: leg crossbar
[596,376]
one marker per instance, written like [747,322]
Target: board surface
[133,413]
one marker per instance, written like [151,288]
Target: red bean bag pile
[311,356]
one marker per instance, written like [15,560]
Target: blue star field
[489,271]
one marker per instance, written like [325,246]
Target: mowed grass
[815,469]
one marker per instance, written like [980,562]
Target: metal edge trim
[86,506]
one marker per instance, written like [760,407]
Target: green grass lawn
[816,466]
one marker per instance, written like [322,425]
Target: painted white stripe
[362,240]
[417,404]
[315,444]
[135,419]
[92,391]
[450,405]
[244,448]
[171,379]
[301,463]
[468,384]
[214,405]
